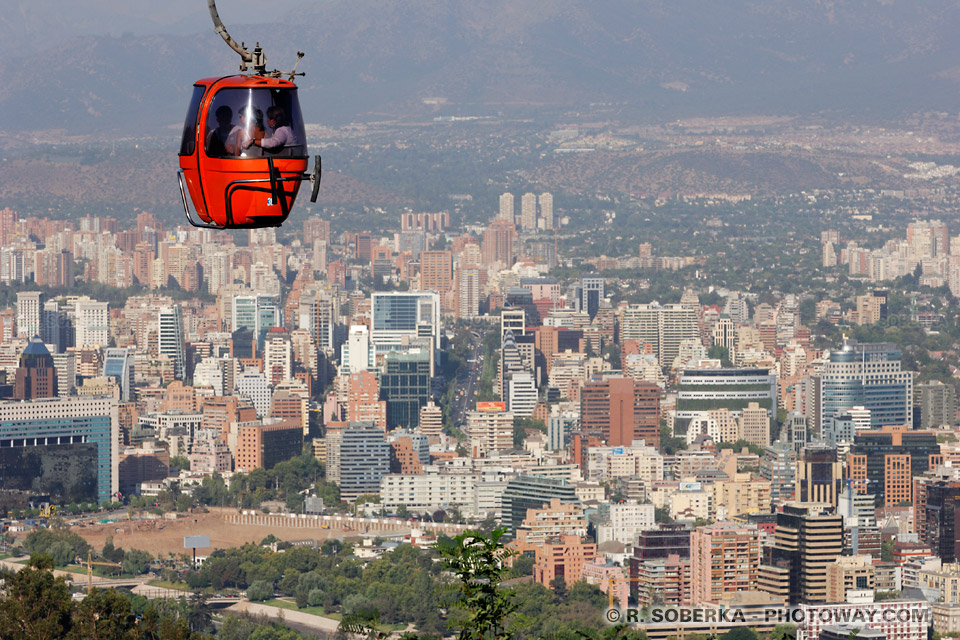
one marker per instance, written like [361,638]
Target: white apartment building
[625,521]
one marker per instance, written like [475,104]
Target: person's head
[224,115]
[276,117]
[251,116]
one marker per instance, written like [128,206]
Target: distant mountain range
[374,59]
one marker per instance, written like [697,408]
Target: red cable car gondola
[243,154]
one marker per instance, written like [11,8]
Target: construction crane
[90,563]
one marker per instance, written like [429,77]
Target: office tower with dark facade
[942,508]
[405,385]
[621,410]
[805,541]
[658,544]
[819,475]
[532,492]
[65,448]
[884,461]
[591,292]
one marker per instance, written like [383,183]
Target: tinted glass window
[244,122]
[190,124]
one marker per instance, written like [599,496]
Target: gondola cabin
[243,153]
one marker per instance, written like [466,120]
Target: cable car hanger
[236,176]
[255,60]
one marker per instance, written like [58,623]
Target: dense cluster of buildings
[680,454]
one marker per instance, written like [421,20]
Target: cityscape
[517,368]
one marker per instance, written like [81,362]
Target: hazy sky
[34,25]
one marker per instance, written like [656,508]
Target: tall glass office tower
[867,375]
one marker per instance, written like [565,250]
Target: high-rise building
[278,356]
[928,238]
[12,268]
[867,375]
[252,385]
[56,328]
[507,209]
[363,401]
[942,513]
[358,457]
[525,492]
[431,420]
[261,445]
[591,292]
[355,352]
[29,305]
[621,410]
[257,313]
[489,429]
[755,425]
[36,377]
[818,475]
[118,364]
[65,448]
[497,246]
[514,321]
[218,268]
[400,319]
[848,574]
[779,467]
[436,271]
[662,327]
[805,541]
[405,385]
[92,323]
[700,390]
[521,394]
[725,333]
[468,292]
[938,404]
[528,211]
[724,557]
[565,558]
[170,339]
[318,314]
[883,461]
[872,307]
[546,209]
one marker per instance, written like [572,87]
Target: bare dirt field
[161,537]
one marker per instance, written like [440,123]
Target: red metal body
[233,191]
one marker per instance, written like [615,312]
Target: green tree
[260,590]
[886,550]
[559,586]
[522,566]
[37,605]
[478,562]
[136,561]
[740,633]
[105,613]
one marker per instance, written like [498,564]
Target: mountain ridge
[373,59]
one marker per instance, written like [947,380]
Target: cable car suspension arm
[255,60]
